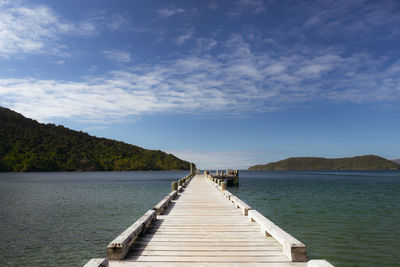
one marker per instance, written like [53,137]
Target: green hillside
[26,145]
[368,162]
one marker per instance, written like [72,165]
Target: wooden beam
[227,194]
[319,263]
[119,247]
[293,248]
[97,263]
[240,204]
[159,208]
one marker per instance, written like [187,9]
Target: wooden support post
[174,186]
[223,186]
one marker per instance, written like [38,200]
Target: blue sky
[225,84]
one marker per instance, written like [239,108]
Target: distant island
[368,162]
[26,145]
[396,160]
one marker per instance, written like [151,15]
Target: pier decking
[204,226]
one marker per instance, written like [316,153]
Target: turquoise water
[64,219]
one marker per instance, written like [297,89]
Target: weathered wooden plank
[272,258]
[206,264]
[293,248]
[167,247]
[203,239]
[211,243]
[214,236]
[196,230]
[201,231]
[211,226]
[205,253]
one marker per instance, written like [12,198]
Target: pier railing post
[223,186]
[174,186]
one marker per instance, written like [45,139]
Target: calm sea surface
[64,219]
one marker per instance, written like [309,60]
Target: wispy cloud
[346,19]
[251,6]
[117,55]
[117,22]
[236,82]
[205,44]
[169,12]
[185,37]
[28,29]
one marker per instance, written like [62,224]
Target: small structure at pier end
[231,177]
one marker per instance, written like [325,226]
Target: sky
[224,84]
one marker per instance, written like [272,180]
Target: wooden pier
[202,224]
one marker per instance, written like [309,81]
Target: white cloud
[242,6]
[117,21]
[169,12]
[205,44]
[185,37]
[347,19]
[28,29]
[237,81]
[117,55]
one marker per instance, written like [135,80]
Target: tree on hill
[367,162]
[26,145]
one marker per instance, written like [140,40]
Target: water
[349,218]
[64,219]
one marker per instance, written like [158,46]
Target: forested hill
[368,162]
[26,145]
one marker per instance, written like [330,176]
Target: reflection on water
[64,219]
